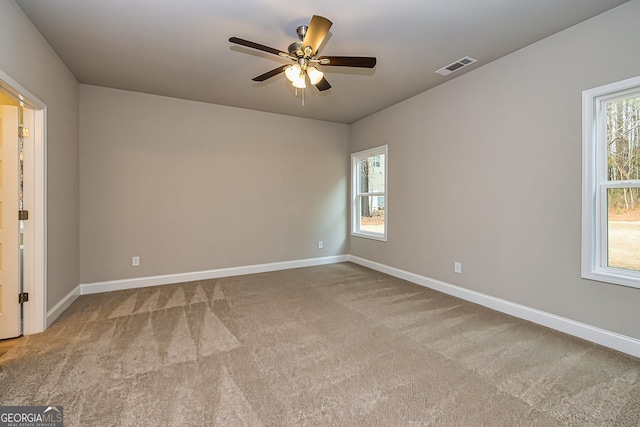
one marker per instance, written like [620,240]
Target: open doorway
[22,211]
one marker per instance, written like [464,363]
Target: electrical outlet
[135,261]
[457,267]
[320,244]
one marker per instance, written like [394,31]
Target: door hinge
[23,297]
[23,132]
[23,215]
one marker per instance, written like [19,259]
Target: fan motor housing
[295,49]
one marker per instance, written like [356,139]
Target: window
[369,184]
[611,183]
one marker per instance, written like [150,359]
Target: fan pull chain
[302,95]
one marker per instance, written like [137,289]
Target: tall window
[611,183]
[369,184]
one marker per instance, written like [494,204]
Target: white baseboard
[603,337]
[141,282]
[62,305]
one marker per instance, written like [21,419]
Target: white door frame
[35,261]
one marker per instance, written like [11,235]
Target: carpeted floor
[334,345]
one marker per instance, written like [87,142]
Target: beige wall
[486,170]
[189,186]
[27,58]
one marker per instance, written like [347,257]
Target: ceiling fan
[305,55]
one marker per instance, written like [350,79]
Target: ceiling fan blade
[348,61]
[270,74]
[323,85]
[317,31]
[261,47]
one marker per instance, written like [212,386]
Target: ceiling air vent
[460,63]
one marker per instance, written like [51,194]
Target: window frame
[595,186]
[356,195]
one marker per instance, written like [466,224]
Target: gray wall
[28,59]
[486,170]
[189,186]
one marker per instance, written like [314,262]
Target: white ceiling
[180,48]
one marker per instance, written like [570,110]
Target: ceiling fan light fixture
[293,72]
[299,82]
[315,75]
[296,76]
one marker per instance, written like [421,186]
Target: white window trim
[355,207]
[594,186]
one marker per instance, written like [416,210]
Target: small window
[369,184]
[611,183]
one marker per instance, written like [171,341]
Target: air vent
[455,66]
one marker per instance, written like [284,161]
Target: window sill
[372,236]
[612,276]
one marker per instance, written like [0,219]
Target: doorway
[22,211]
